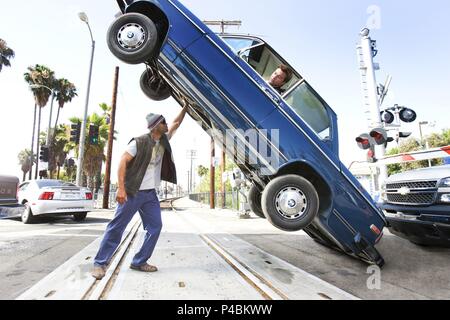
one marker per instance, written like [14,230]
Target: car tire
[27,215]
[254,200]
[139,48]
[78,217]
[154,86]
[290,202]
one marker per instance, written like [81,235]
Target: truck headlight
[445,183]
[445,198]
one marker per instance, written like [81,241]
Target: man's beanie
[153,120]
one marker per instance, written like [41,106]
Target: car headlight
[445,183]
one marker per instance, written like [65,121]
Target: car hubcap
[131,36]
[291,203]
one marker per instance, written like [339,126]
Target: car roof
[7,178]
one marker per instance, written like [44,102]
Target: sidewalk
[199,256]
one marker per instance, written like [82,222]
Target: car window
[237,44]
[265,61]
[310,108]
[53,183]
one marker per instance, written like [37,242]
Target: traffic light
[44,154]
[75,130]
[93,134]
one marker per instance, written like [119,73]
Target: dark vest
[138,166]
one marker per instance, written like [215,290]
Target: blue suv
[285,141]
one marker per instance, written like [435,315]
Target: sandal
[145,268]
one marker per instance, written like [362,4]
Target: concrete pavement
[198,259]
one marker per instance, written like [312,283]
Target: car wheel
[78,217]
[254,200]
[155,87]
[133,38]
[290,202]
[27,215]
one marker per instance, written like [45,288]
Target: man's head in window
[282,75]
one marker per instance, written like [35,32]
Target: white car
[54,197]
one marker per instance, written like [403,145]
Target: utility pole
[191,155]
[223,183]
[107,184]
[212,177]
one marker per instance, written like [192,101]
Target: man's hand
[177,122]
[121,196]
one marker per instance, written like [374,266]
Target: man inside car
[282,75]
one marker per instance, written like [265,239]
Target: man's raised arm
[178,120]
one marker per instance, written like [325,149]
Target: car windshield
[53,183]
[310,108]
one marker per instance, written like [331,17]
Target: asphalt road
[30,252]
[410,273]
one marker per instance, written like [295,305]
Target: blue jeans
[147,204]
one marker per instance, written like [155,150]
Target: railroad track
[264,285]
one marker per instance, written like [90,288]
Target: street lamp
[83,17]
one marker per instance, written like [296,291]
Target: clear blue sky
[317,37]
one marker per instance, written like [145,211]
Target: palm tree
[65,92]
[25,162]
[57,150]
[6,54]
[39,75]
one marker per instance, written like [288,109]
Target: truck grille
[416,198]
[413,185]
[420,192]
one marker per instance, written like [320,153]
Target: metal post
[372,99]
[212,177]
[224,189]
[107,184]
[32,144]
[84,123]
